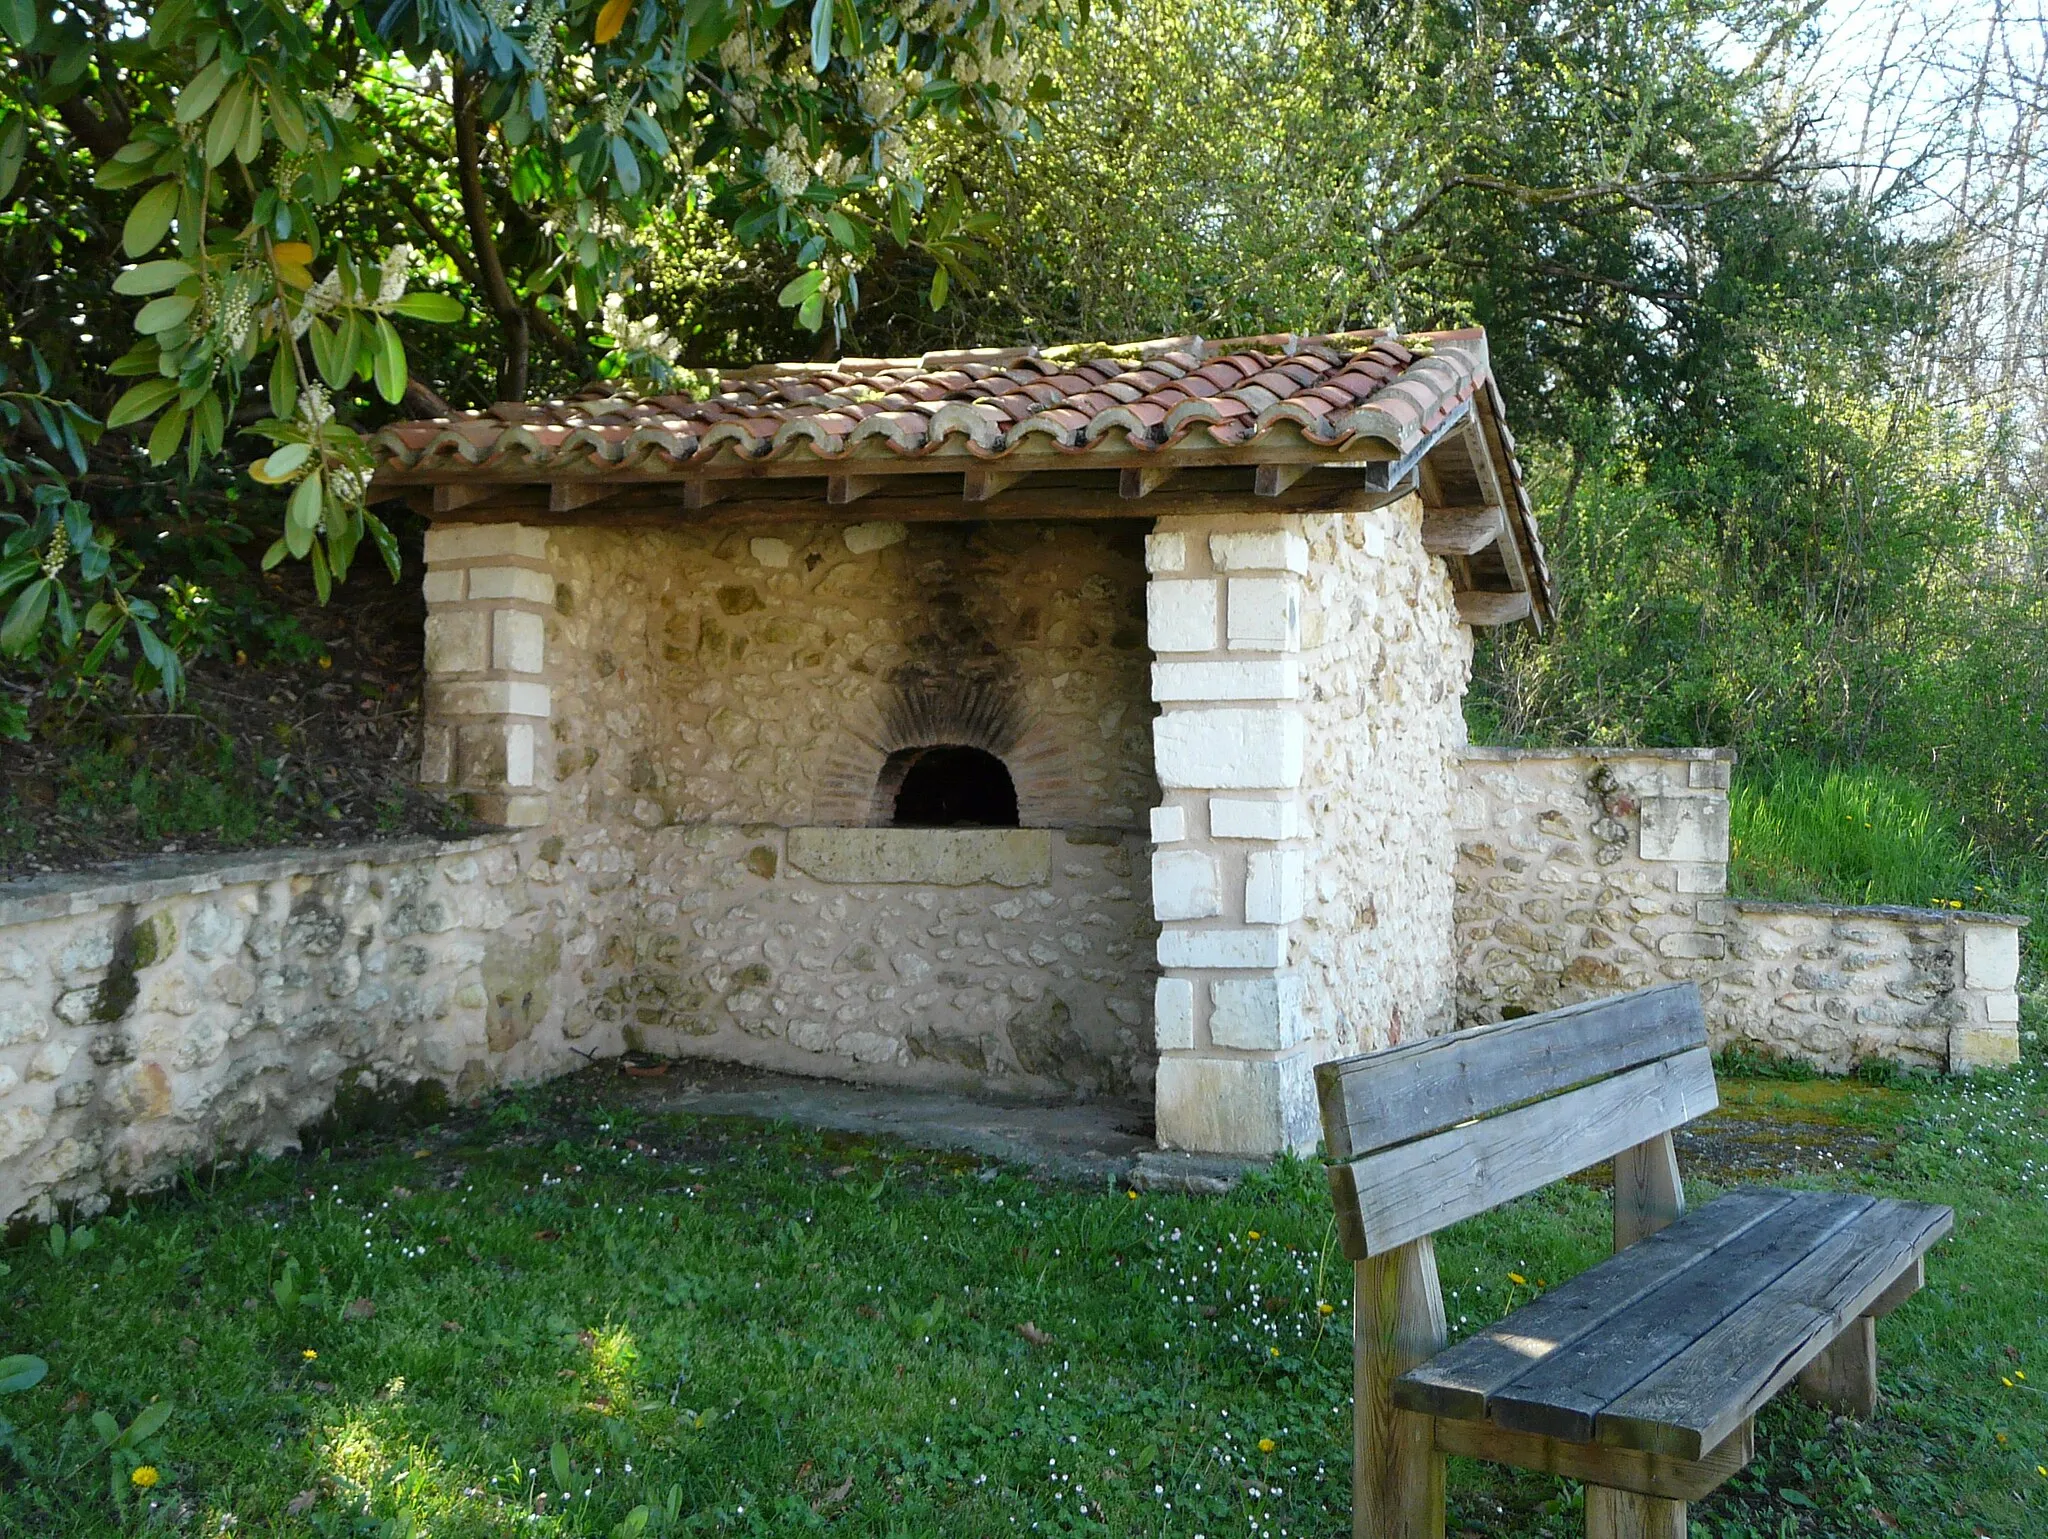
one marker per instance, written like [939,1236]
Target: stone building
[1083,720]
[1053,724]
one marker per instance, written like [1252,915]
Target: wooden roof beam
[1142,480]
[980,483]
[1460,531]
[1482,609]
[840,490]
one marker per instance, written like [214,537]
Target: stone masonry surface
[1310,671]
[726,704]
[194,1007]
[1583,872]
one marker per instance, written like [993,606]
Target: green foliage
[709,1315]
[1847,836]
[245,152]
[74,627]
[17,1373]
[65,1243]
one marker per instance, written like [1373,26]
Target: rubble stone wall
[725,700]
[178,1010]
[1585,872]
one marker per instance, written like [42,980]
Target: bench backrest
[1431,1132]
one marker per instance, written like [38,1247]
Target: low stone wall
[1835,986]
[1583,872]
[169,1012]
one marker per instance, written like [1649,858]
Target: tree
[538,137]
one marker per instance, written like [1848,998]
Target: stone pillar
[1224,612]
[489,590]
[1987,1033]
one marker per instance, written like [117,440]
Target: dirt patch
[300,724]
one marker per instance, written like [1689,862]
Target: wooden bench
[1639,1377]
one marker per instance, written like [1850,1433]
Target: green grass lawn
[541,1317]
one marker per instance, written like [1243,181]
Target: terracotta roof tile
[1355,388]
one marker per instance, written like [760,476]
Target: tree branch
[476,210]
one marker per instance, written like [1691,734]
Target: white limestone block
[1229,750]
[862,538]
[1166,553]
[1181,616]
[1173,1015]
[1276,678]
[770,552]
[1264,614]
[519,754]
[443,587]
[1261,948]
[511,582]
[2002,1007]
[1688,828]
[437,754]
[495,697]
[1253,1106]
[518,641]
[1991,956]
[458,642]
[1185,885]
[1232,817]
[1256,1013]
[1273,888]
[1169,824]
[1262,550]
[471,542]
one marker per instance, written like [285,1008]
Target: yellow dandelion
[2001,1440]
[1267,1445]
[1251,1234]
[1326,1309]
[1132,1195]
[309,1354]
[2005,1381]
[143,1475]
[2019,1375]
[2041,1470]
[1274,1351]
[1517,1279]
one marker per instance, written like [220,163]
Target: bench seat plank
[1695,1399]
[1563,1395]
[1459,1381]
[1397,1094]
[1388,1198]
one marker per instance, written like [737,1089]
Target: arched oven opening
[947,785]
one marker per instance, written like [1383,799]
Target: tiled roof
[1347,391]
[1173,402]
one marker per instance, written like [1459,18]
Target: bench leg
[1612,1514]
[1843,1379]
[1397,1321]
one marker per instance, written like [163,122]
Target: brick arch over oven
[989,717]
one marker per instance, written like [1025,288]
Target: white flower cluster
[788,172]
[320,298]
[315,410]
[542,46]
[348,483]
[501,13]
[391,276]
[638,338]
[743,61]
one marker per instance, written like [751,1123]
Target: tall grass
[1860,835]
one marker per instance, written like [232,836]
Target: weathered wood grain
[1567,1393]
[1648,1195]
[1731,1370]
[1397,1321]
[1625,1515]
[1843,1379]
[1476,608]
[1380,1099]
[1624,1469]
[1908,1283]
[1461,531]
[1417,1188]
[1458,1382]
